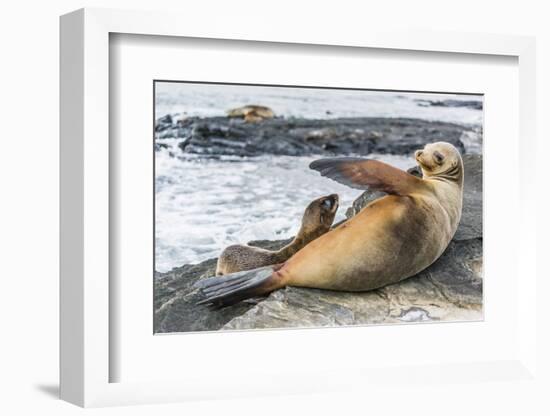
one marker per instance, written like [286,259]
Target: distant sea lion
[251,113]
[316,221]
[390,239]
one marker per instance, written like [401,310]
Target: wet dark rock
[217,136]
[175,301]
[159,146]
[164,123]
[471,222]
[474,105]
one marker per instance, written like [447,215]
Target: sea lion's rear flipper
[232,288]
[367,173]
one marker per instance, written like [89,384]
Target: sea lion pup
[390,239]
[251,113]
[316,221]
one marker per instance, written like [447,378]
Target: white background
[29,208]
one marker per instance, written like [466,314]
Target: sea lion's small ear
[366,173]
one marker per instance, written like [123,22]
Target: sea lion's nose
[418,153]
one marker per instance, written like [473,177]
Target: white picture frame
[85,164]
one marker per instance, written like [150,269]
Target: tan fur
[316,221]
[393,237]
[252,113]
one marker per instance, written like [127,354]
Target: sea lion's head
[319,215]
[440,160]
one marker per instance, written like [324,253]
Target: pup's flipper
[361,173]
[232,288]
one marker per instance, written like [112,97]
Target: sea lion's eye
[438,157]
[327,203]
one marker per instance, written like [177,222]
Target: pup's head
[319,214]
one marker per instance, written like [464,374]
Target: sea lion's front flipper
[232,288]
[367,173]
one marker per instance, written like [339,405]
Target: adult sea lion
[251,113]
[390,239]
[316,221]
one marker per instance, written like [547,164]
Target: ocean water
[207,100]
[203,205]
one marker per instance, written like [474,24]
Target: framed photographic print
[227,198]
[228,171]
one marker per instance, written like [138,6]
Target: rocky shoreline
[450,289]
[223,136]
